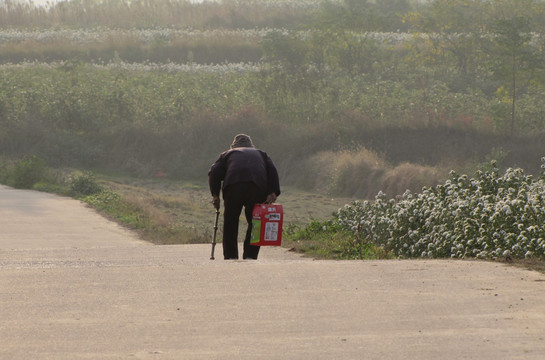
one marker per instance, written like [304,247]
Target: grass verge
[327,240]
[167,211]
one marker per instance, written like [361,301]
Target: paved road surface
[75,286]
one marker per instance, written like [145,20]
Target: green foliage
[286,50]
[85,184]
[83,116]
[5,171]
[143,122]
[490,216]
[326,239]
[112,204]
[363,15]
[28,171]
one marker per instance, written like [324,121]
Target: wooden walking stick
[215,232]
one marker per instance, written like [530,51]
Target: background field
[349,98]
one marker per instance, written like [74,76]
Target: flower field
[86,36]
[489,216]
[158,44]
[170,67]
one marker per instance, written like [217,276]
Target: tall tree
[512,57]
[452,28]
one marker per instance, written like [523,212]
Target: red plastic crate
[267,222]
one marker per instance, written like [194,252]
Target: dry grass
[167,202]
[363,173]
[171,204]
[407,176]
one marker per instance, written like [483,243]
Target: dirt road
[75,286]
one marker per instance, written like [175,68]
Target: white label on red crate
[271,231]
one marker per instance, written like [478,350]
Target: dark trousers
[235,197]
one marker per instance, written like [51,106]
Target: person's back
[246,165]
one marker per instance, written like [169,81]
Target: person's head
[242,140]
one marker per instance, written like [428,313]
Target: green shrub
[85,184]
[5,171]
[489,216]
[28,171]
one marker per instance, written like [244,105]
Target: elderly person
[249,177]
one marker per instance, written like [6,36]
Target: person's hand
[216,202]
[271,198]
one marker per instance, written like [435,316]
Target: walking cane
[215,232]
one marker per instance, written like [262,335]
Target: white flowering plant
[488,216]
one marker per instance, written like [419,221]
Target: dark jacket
[245,164]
